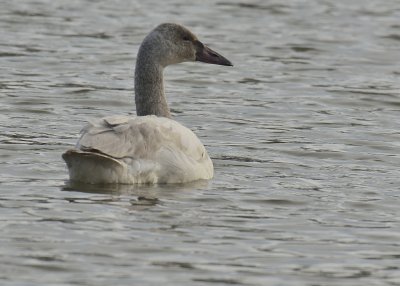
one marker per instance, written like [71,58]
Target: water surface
[303,132]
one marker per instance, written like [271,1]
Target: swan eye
[185,38]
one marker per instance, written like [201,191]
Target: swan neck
[149,86]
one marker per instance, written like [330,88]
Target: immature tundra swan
[150,147]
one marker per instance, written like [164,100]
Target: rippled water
[303,132]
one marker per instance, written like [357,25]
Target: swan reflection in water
[139,196]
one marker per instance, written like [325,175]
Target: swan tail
[94,167]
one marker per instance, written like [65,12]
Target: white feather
[136,150]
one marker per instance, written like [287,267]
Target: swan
[149,148]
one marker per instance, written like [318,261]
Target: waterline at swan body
[150,147]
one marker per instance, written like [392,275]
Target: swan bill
[206,55]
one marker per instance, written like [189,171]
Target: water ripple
[303,133]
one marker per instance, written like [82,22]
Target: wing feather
[175,148]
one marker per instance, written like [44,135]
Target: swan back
[144,149]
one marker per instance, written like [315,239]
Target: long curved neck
[149,85]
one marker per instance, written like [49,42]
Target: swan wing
[159,147]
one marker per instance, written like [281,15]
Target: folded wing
[151,150]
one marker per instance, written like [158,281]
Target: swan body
[151,147]
[141,149]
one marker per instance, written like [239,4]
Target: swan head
[171,43]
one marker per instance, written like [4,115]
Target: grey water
[303,132]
